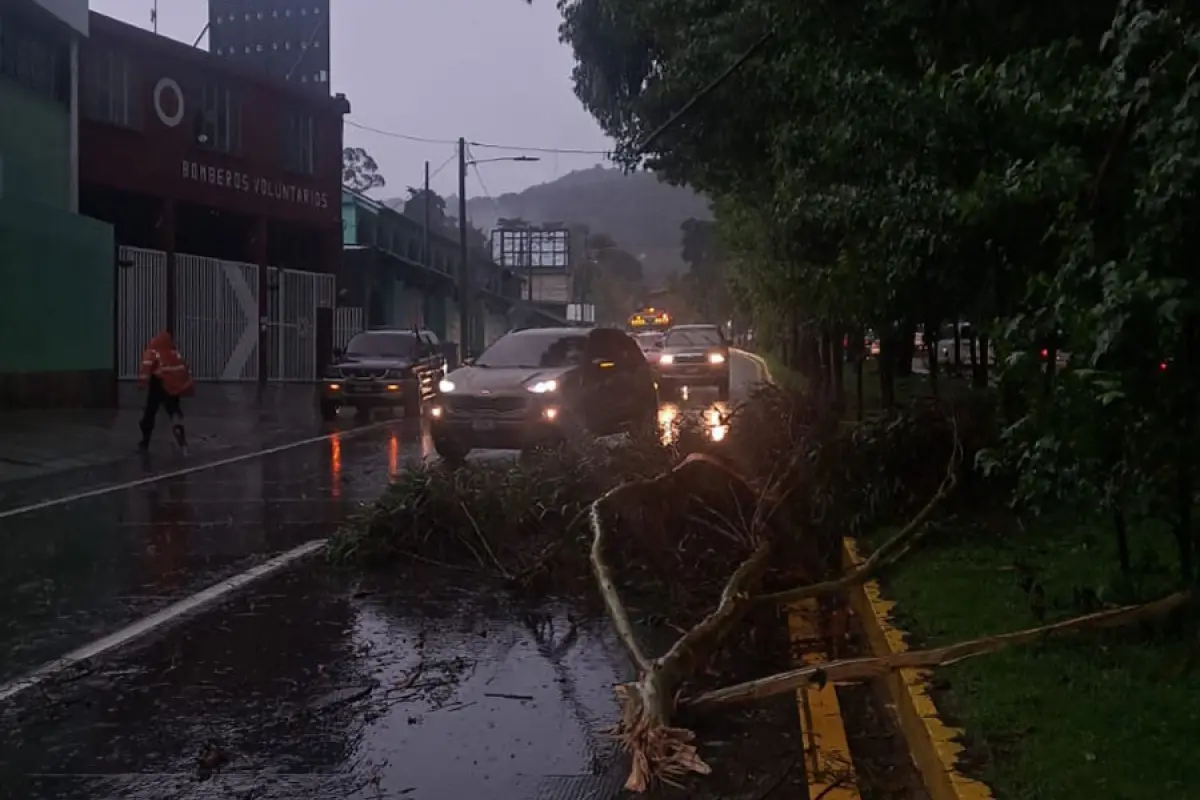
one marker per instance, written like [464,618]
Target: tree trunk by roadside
[1122,533]
[906,335]
[958,365]
[929,341]
[887,371]
[837,357]
[979,376]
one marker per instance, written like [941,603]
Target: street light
[465,300]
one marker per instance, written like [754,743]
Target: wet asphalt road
[305,685]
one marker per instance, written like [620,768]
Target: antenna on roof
[154,16]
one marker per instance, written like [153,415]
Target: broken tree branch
[853,670]
[891,551]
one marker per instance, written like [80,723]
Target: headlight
[666,358]
[543,387]
[446,386]
[716,358]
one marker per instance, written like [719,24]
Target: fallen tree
[736,534]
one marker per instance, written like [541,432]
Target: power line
[482,185]
[483,145]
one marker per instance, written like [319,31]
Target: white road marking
[162,476]
[759,361]
[147,624]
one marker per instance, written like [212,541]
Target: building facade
[223,185]
[56,267]
[287,39]
[404,277]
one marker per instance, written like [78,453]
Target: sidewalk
[221,416]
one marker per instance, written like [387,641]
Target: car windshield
[648,340]
[694,337]
[382,345]
[534,351]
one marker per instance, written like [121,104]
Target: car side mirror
[468,362]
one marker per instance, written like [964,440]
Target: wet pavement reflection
[307,684]
[310,687]
[74,572]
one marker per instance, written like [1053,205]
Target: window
[220,119]
[35,59]
[382,345]
[106,91]
[695,337]
[300,144]
[534,349]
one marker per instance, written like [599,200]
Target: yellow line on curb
[823,733]
[934,745]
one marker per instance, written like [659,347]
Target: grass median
[1108,715]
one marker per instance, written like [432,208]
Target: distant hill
[640,213]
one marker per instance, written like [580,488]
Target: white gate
[142,300]
[216,309]
[347,321]
[292,334]
[216,316]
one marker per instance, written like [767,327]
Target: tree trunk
[837,357]
[1122,539]
[905,346]
[887,371]
[931,355]
[980,368]
[958,348]
[1183,510]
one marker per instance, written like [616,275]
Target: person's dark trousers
[157,397]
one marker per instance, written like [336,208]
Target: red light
[1162,366]
[1045,353]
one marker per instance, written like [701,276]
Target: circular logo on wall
[168,102]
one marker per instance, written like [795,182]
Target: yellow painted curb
[933,744]
[823,733]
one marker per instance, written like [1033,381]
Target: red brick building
[185,152]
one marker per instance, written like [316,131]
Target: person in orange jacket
[165,376]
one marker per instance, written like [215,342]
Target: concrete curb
[933,744]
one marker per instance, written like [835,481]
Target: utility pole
[425,225]
[464,300]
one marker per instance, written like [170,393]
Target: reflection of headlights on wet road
[550,413]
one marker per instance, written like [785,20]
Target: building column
[167,225]
[73,102]
[258,255]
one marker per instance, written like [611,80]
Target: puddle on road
[307,687]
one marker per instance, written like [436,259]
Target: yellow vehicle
[649,319]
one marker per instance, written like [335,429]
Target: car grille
[363,372]
[690,359]
[499,405]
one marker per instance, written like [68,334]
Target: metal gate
[347,321]
[216,310]
[292,314]
[142,300]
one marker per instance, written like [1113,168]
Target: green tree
[360,171]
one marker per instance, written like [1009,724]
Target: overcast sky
[490,70]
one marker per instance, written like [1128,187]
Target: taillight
[1045,353]
[1162,366]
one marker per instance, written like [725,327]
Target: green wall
[35,145]
[56,290]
